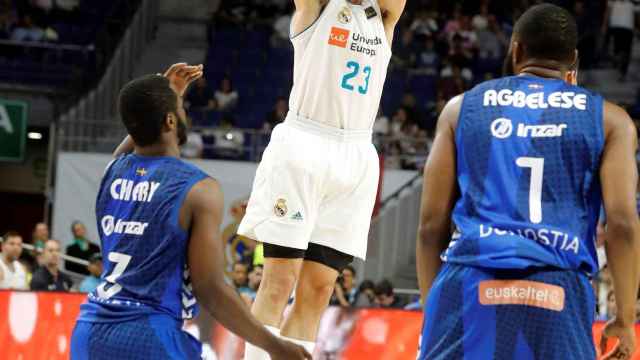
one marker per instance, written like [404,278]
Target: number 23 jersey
[528,159]
[340,66]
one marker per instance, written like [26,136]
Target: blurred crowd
[41,267]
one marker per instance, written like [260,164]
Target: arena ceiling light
[34,135]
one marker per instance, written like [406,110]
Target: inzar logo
[110,226]
[339,37]
[501,128]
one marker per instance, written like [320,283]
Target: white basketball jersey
[16,279]
[340,66]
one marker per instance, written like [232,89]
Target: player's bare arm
[203,211]
[619,176]
[391,12]
[439,193]
[307,12]
[180,75]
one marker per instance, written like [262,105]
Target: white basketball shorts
[315,184]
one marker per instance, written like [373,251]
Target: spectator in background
[33,259]
[425,24]
[381,125]
[80,248]
[345,291]
[200,97]
[281,28]
[6,25]
[277,115]
[492,39]
[12,274]
[237,248]
[226,98]
[404,52]
[428,61]
[255,277]
[620,20]
[385,297]
[400,122]
[193,148]
[454,80]
[40,235]
[410,104]
[365,296]
[27,31]
[229,142]
[240,277]
[92,281]
[48,277]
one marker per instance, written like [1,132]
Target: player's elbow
[432,230]
[623,228]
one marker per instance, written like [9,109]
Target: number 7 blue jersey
[528,159]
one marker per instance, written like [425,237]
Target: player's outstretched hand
[181,75]
[626,336]
[287,350]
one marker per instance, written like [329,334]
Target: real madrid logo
[280,208]
[344,16]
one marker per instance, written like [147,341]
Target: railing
[237,144]
[48,46]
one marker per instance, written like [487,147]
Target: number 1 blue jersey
[144,248]
[528,159]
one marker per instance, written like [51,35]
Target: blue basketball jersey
[528,158]
[144,248]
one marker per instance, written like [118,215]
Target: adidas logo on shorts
[297,216]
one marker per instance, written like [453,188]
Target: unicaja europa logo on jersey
[339,37]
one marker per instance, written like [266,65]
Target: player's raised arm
[204,206]
[619,176]
[439,192]
[307,12]
[180,76]
[391,12]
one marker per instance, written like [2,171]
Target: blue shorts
[475,313]
[150,337]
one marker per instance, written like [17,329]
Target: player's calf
[278,279]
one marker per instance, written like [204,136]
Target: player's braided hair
[548,32]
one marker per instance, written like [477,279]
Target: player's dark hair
[350,268]
[74,223]
[9,234]
[548,32]
[144,104]
[366,285]
[384,287]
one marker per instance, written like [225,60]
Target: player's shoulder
[205,191]
[617,120]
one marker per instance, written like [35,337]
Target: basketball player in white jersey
[12,273]
[315,188]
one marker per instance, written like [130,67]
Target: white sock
[307,345]
[252,352]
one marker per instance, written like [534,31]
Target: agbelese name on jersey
[537,100]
